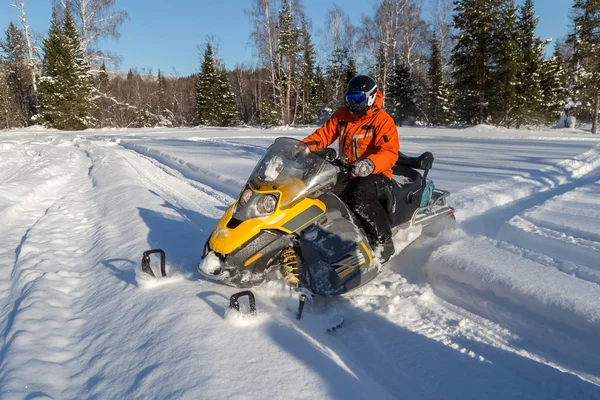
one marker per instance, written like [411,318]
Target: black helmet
[360,94]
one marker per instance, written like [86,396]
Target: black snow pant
[362,196]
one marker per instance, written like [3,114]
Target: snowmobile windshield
[290,168]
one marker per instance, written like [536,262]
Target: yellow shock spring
[290,267]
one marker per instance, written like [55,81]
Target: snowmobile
[288,219]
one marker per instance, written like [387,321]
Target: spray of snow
[211,264]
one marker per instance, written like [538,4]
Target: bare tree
[32,54]
[398,35]
[441,20]
[95,19]
[338,33]
[265,36]
[413,37]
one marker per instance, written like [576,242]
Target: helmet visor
[356,97]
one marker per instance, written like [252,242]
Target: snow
[503,304]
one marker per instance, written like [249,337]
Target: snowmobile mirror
[234,302]
[146,262]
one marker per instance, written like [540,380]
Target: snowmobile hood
[231,234]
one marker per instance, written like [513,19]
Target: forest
[468,62]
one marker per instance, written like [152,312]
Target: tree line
[468,62]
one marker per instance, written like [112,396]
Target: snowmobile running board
[235,304]
[146,262]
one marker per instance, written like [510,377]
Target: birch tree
[264,37]
[95,19]
[441,20]
[33,55]
[397,35]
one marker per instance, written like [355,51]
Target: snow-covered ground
[504,305]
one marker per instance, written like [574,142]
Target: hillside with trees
[468,62]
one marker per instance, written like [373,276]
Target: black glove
[299,150]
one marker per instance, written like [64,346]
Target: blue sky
[166,35]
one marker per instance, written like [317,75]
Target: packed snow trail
[85,323]
[39,323]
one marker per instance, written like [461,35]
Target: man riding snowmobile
[368,139]
[318,218]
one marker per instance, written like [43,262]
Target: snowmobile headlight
[266,204]
[246,195]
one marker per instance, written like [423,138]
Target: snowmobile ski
[234,302]
[337,323]
[146,262]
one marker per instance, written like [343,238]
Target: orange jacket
[372,135]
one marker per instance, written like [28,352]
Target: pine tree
[320,96]
[483,60]
[340,69]
[268,113]
[215,102]
[5,99]
[228,113]
[438,95]
[530,97]
[161,84]
[307,101]
[206,112]
[401,95]
[66,90]
[555,88]
[506,65]
[18,77]
[470,60]
[586,40]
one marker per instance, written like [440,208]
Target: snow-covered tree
[438,105]
[484,60]
[530,97]
[555,87]
[402,96]
[506,64]
[586,40]
[206,112]
[5,98]
[18,76]
[338,72]
[215,102]
[307,100]
[96,19]
[471,60]
[268,113]
[65,89]
[228,114]
[320,96]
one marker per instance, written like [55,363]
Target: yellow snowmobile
[288,220]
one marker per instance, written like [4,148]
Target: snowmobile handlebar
[343,164]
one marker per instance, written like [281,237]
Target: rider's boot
[386,251]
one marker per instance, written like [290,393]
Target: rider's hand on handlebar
[299,150]
[363,168]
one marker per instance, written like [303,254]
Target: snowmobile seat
[423,162]
[406,185]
